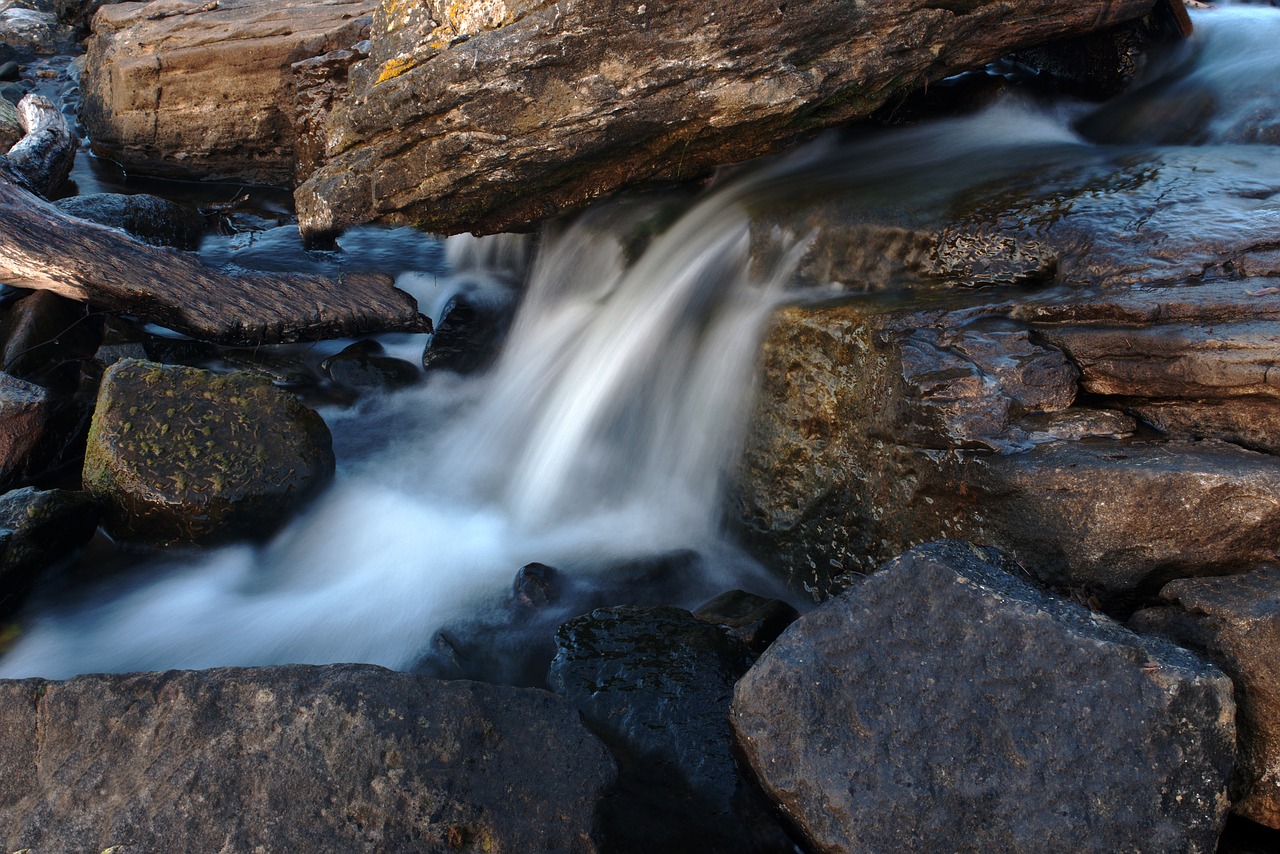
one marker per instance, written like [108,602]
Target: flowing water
[604,431]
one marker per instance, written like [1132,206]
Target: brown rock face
[176,89]
[346,758]
[481,116]
[1235,622]
[879,428]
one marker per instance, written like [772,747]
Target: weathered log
[40,247]
[487,115]
[43,158]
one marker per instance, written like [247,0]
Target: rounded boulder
[179,454]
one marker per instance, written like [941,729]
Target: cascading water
[605,428]
[601,434]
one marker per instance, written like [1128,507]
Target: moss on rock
[183,454]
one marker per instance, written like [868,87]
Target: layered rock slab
[342,758]
[188,89]
[1235,622]
[484,117]
[944,704]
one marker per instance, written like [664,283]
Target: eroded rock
[485,117]
[1235,622]
[179,89]
[348,757]
[913,713]
[183,454]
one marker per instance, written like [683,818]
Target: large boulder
[1235,622]
[945,704]
[347,758]
[187,89]
[484,116]
[183,454]
[880,426]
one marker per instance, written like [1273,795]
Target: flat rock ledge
[348,758]
[945,704]
[489,115]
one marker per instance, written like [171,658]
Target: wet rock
[508,113]
[45,336]
[655,684]
[40,431]
[363,366]
[468,336]
[535,585]
[1235,622]
[752,619]
[878,428]
[151,219]
[9,72]
[31,32]
[182,454]
[169,90]
[348,757]
[945,704]
[38,529]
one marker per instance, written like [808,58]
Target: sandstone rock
[37,530]
[177,90]
[944,704]
[487,116]
[182,454]
[1235,622]
[39,431]
[343,758]
[151,219]
[655,684]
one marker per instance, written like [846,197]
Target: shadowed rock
[945,704]
[347,758]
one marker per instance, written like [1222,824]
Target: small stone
[363,366]
[752,619]
[535,585]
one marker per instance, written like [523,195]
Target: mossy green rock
[183,454]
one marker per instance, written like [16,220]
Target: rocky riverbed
[976,553]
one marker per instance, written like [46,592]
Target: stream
[602,438]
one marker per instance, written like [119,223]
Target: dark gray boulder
[946,704]
[348,758]
[654,683]
[151,219]
[183,454]
[1235,622]
[38,530]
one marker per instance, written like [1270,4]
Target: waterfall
[603,432]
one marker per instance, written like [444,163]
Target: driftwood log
[41,247]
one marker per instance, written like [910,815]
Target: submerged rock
[655,684]
[484,117]
[344,758]
[151,219]
[1235,622]
[944,704]
[182,454]
[189,90]
[37,530]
